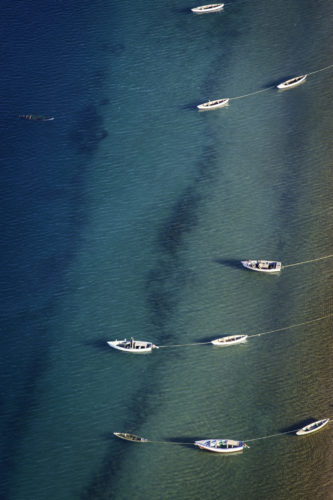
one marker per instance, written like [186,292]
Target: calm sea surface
[128,216]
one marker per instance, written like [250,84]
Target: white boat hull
[262,266]
[293,82]
[207,9]
[210,105]
[134,347]
[314,427]
[230,340]
[221,445]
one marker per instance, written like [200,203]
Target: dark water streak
[166,281]
[164,286]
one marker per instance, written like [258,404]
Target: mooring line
[290,326]
[322,69]
[270,436]
[252,335]
[183,345]
[251,93]
[169,442]
[308,261]
[273,86]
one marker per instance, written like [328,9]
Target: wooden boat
[263,266]
[130,437]
[221,445]
[134,346]
[205,9]
[230,340]
[315,426]
[37,118]
[293,82]
[218,103]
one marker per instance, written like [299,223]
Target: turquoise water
[151,209]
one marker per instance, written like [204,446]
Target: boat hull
[265,268]
[135,347]
[230,340]
[207,9]
[314,427]
[220,445]
[209,105]
[293,82]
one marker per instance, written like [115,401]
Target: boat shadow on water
[298,425]
[190,106]
[182,11]
[99,344]
[275,83]
[209,339]
[229,263]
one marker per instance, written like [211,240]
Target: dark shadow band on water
[138,410]
[164,282]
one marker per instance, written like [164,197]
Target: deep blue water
[49,68]
[129,214]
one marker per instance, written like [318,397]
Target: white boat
[221,445]
[263,266]
[315,426]
[205,9]
[134,346]
[293,82]
[230,340]
[217,103]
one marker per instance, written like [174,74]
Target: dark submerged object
[37,118]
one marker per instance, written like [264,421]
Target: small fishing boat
[221,445]
[37,118]
[315,426]
[263,266]
[206,9]
[135,346]
[230,340]
[130,437]
[218,103]
[293,82]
